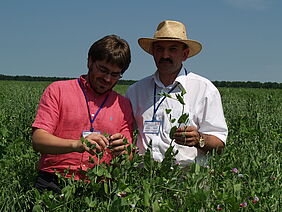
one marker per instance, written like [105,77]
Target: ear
[89,62]
[185,54]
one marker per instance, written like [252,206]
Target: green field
[254,148]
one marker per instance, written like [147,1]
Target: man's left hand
[187,136]
[117,144]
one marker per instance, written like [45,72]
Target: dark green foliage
[254,147]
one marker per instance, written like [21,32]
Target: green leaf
[197,168]
[172,131]
[147,194]
[90,202]
[37,208]
[107,174]
[148,159]
[125,141]
[106,134]
[100,171]
[167,111]
[106,188]
[166,95]
[180,99]
[183,118]
[156,206]
[183,91]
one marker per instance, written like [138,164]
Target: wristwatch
[202,141]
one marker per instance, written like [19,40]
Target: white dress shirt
[202,103]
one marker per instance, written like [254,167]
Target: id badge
[152,127]
[86,133]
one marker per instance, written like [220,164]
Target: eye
[173,49]
[159,49]
[103,71]
[115,75]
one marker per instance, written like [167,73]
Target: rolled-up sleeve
[212,119]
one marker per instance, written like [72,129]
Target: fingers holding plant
[187,136]
[95,141]
[117,144]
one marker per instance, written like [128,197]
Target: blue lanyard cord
[88,108]
[155,93]
[185,71]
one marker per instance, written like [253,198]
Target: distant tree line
[234,84]
[248,84]
[51,79]
[30,78]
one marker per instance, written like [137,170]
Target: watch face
[202,142]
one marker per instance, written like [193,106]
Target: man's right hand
[99,140]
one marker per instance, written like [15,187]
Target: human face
[169,55]
[103,76]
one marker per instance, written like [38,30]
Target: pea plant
[184,117]
[245,177]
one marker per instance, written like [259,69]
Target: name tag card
[86,133]
[152,127]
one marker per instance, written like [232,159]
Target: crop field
[245,177]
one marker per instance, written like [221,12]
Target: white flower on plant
[121,194]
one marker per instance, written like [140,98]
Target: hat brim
[194,46]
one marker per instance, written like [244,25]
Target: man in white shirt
[206,128]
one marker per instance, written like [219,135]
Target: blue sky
[242,39]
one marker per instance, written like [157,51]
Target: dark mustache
[165,60]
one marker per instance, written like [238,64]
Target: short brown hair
[113,49]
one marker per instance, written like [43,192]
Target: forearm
[190,136]
[44,142]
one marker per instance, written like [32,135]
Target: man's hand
[117,144]
[99,140]
[187,136]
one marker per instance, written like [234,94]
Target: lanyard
[97,112]
[155,93]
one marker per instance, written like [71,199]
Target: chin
[102,90]
[165,66]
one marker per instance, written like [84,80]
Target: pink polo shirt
[63,112]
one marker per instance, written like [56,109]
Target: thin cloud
[251,4]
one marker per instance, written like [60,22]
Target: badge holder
[152,127]
[86,133]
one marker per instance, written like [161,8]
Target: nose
[107,77]
[165,53]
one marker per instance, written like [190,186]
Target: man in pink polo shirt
[85,107]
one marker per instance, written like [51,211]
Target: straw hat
[171,31]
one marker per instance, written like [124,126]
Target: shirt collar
[179,79]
